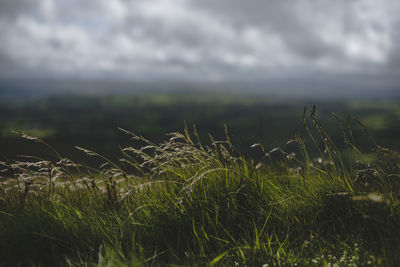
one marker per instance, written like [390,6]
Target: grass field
[91,121]
[319,200]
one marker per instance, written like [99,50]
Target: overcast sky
[202,40]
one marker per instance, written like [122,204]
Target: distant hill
[319,88]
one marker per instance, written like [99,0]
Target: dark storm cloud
[204,40]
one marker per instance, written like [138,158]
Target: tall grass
[184,202]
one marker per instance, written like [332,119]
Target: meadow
[238,181]
[91,121]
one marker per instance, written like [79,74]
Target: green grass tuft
[181,202]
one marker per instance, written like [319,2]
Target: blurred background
[72,71]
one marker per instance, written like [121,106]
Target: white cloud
[179,39]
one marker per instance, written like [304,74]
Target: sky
[350,43]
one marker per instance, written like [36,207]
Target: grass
[91,121]
[183,203]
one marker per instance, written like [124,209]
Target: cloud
[199,40]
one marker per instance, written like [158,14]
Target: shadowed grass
[185,203]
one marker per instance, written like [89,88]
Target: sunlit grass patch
[189,202]
[39,132]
